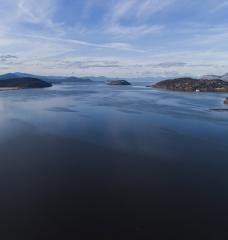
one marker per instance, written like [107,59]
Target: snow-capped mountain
[225,77]
[212,77]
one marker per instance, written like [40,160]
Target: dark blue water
[90,161]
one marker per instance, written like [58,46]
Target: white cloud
[129,31]
[131,9]
[134,12]
[16,13]
[35,11]
[150,7]
[122,9]
[112,45]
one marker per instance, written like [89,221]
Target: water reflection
[125,163]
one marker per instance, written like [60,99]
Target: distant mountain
[60,79]
[210,77]
[214,77]
[97,79]
[134,79]
[50,79]
[8,76]
[76,79]
[225,77]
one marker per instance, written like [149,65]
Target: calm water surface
[90,161]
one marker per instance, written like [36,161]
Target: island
[23,83]
[226,101]
[118,82]
[192,85]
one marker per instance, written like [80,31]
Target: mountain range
[59,79]
[27,75]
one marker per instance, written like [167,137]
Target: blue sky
[124,38]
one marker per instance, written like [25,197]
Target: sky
[114,38]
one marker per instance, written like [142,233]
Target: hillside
[22,83]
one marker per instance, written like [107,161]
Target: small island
[193,85]
[119,82]
[226,101]
[23,83]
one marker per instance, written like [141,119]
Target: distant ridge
[216,77]
[8,76]
[50,79]
[60,79]
[76,79]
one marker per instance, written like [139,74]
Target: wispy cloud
[219,6]
[35,11]
[129,31]
[121,10]
[134,12]
[131,9]
[111,45]
[149,7]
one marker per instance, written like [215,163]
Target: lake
[92,161]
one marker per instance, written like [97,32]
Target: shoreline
[9,88]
